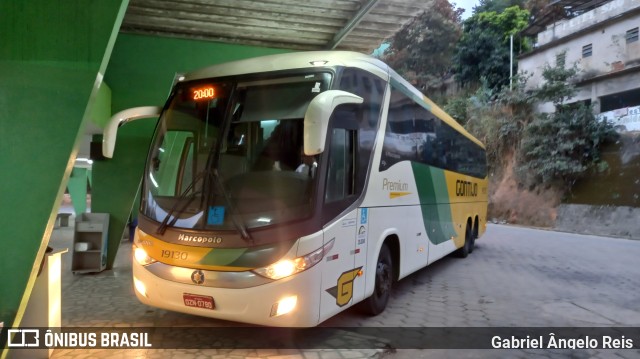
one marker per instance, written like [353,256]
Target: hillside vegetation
[534,158]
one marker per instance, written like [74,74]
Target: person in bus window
[308,165]
[281,146]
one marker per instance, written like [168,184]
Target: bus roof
[307,59]
[293,60]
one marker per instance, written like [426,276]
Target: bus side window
[341,173]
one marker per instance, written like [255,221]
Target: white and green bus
[282,190]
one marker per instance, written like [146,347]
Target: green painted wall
[101,109]
[51,54]
[141,73]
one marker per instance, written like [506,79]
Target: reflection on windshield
[254,141]
[159,212]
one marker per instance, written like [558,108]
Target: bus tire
[474,235]
[377,302]
[467,247]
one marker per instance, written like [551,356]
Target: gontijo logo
[343,291]
[466,189]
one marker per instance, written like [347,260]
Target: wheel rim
[383,279]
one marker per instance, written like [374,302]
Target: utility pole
[511,64]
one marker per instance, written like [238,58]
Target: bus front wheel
[376,303]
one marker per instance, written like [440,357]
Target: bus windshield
[229,154]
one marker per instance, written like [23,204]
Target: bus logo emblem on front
[197,277]
[343,291]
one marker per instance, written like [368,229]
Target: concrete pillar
[595,100]
[77,186]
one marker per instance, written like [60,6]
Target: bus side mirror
[119,119]
[316,119]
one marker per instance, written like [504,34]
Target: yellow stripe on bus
[393,195]
[180,255]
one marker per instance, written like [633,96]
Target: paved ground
[516,277]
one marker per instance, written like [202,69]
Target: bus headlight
[284,306]
[140,287]
[141,256]
[286,267]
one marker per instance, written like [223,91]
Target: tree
[536,7]
[497,6]
[496,118]
[562,146]
[422,50]
[483,49]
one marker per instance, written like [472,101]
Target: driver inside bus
[280,147]
[308,165]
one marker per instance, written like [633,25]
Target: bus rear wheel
[474,235]
[377,302]
[469,243]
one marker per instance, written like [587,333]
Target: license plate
[198,301]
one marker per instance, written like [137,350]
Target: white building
[604,42]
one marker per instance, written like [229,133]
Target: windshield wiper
[210,172]
[232,211]
[165,222]
[212,169]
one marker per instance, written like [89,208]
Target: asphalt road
[521,277]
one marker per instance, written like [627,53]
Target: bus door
[360,252]
[340,278]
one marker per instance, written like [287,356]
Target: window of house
[587,50]
[632,35]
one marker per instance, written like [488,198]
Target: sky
[467,5]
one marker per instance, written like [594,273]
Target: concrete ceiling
[358,25]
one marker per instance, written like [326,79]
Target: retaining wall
[600,220]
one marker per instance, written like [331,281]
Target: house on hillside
[602,37]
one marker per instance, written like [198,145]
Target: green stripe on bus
[251,257]
[222,256]
[434,200]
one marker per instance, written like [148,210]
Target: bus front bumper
[260,305]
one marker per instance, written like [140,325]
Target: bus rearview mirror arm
[316,119]
[111,130]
